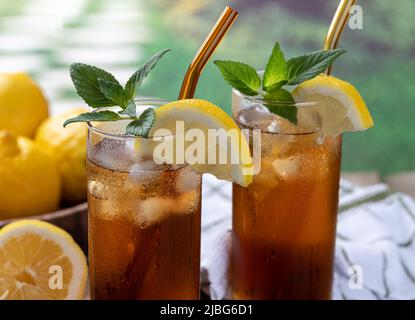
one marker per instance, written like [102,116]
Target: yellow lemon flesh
[339,104]
[40,261]
[67,147]
[29,183]
[22,104]
[203,115]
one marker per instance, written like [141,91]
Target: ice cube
[140,173]
[108,210]
[187,202]
[287,167]
[254,115]
[107,152]
[112,127]
[258,116]
[153,210]
[142,148]
[186,180]
[97,189]
[265,181]
[135,173]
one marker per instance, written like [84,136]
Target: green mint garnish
[281,102]
[306,67]
[130,110]
[137,78]
[142,125]
[275,75]
[99,88]
[113,91]
[240,76]
[85,78]
[278,73]
[104,115]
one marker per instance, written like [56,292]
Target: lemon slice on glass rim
[204,115]
[40,261]
[339,104]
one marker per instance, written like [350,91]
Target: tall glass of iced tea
[144,218]
[284,223]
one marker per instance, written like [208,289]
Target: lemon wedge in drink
[339,104]
[210,120]
[40,261]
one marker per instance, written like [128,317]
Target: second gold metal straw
[337,25]
[206,50]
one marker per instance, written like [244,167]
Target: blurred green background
[44,36]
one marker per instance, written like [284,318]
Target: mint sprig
[137,78]
[105,115]
[275,75]
[130,110]
[99,88]
[240,76]
[142,125]
[281,102]
[85,79]
[306,67]
[278,73]
[113,91]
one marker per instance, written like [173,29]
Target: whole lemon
[67,146]
[22,104]
[29,183]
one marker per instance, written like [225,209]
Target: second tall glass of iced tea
[144,219]
[284,223]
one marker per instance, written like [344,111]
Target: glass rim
[260,100]
[151,102]
[159,167]
[287,134]
[301,105]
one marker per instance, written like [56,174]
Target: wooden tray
[73,219]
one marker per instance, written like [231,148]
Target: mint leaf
[276,86]
[275,75]
[105,115]
[130,110]
[99,88]
[281,103]
[137,78]
[85,78]
[141,126]
[306,67]
[113,91]
[240,76]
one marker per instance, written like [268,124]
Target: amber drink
[284,223]
[144,220]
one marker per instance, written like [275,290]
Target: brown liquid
[284,223]
[144,234]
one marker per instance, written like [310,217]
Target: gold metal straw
[337,26]
[206,50]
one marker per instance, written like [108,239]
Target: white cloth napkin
[375,248]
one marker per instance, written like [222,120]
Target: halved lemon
[203,115]
[40,261]
[339,104]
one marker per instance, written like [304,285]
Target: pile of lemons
[42,164]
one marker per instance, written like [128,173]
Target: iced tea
[144,223]
[284,223]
